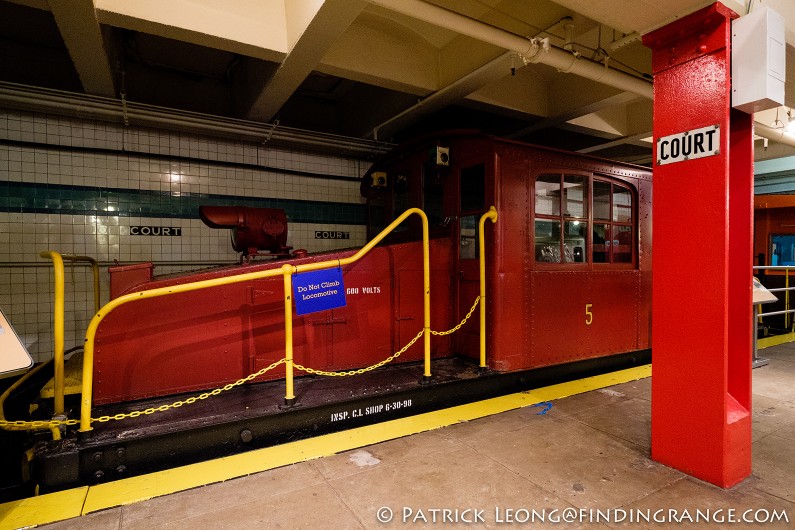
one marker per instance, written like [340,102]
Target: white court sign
[688,145]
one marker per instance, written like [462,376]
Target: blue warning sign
[318,290]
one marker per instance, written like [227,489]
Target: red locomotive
[568,272]
[568,276]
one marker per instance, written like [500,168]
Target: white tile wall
[26,287]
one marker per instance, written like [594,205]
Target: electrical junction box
[758,61]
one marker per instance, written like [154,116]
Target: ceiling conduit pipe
[554,57]
[771,133]
[42,100]
[560,59]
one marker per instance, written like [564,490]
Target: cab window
[613,230]
[583,219]
[561,218]
[782,249]
[472,204]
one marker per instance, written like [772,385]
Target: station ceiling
[381,69]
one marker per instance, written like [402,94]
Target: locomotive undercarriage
[253,416]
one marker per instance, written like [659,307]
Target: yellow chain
[472,310]
[190,400]
[30,425]
[393,356]
[361,370]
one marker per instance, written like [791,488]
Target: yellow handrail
[286,271]
[58,326]
[426,277]
[289,394]
[58,318]
[492,215]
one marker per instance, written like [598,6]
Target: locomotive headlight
[379,179]
[441,155]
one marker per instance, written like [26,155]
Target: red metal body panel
[203,339]
[536,312]
[712,196]
[562,327]
[125,277]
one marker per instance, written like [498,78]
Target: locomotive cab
[452,179]
[568,263]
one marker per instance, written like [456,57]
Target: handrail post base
[83,436]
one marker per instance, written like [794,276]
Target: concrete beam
[254,28]
[619,99]
[321,30]
[635,139]
[77,22]
[452,93]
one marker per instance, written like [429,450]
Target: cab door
[475,179]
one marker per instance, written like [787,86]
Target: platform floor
[588,451]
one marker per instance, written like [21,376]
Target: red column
[702,238]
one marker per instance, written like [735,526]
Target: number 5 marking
[588,314]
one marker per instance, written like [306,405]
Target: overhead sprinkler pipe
[771,133]
[563,60]
[556,57]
